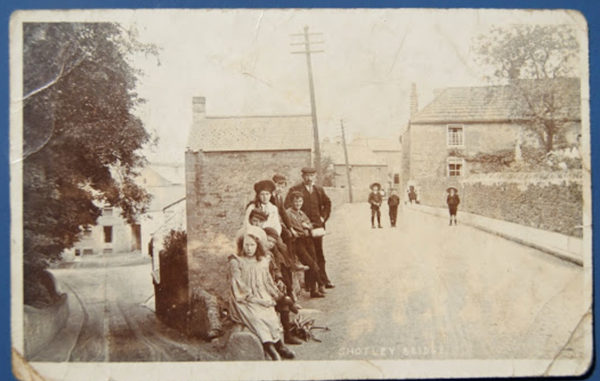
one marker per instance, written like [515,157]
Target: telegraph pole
[313,107]
[347,163]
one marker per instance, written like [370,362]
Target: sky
[241,61]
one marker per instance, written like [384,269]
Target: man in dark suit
[317,206]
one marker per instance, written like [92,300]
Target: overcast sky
[240,61]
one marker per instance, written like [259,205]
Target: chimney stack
[199,108]
[414,101]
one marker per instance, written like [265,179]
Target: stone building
[366,167]
[389,151]
[225,156]
[463,122]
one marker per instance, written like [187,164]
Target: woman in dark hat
[453,200]
[264,189]
[375,200]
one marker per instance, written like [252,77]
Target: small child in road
[453,200]
[393,202]
[375,200]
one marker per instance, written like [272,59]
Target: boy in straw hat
[375,200]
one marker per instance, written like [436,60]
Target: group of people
[280,235]
[376,200]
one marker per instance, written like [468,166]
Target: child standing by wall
[375,200]
[453,200]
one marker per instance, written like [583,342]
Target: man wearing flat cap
[317,206]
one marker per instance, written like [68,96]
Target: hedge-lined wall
[551,201]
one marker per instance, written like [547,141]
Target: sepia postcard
[306,194]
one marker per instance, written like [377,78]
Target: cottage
[111,234]
[464,122]
[225,156]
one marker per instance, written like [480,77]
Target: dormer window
[455,135]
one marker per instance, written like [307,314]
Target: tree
[81,140]
[538,65]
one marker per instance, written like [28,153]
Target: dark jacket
[375,200]
[393,200]
[280,204]
[323,207]
[453,200]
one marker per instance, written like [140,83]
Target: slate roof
[357,155]
[252,133]
[496,103]
[171,172]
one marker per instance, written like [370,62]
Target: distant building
[225,156]
[390,151]
[464,121]
[366,167]
[112,234]
[165,182]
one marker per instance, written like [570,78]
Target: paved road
[425,290]
[110,324]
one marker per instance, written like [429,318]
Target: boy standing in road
[375,200]
[393,202]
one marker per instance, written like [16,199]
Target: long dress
[251,281]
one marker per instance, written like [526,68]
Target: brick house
[462,122]
[225,156]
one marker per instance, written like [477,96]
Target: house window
[455,166]
[108,233]
[108,211]
[396,178]
[87,232]
[455,135]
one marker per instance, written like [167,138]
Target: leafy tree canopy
[81,140]
[539,66]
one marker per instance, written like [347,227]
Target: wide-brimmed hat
[308,170]
[455,190]
[375,185]
[279,178]
[263,185]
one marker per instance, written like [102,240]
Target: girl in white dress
[253,293]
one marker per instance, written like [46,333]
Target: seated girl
[263,191]
[253,293]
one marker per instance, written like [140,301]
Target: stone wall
[219,185]
[551,201]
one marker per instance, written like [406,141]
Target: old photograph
[300,194]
